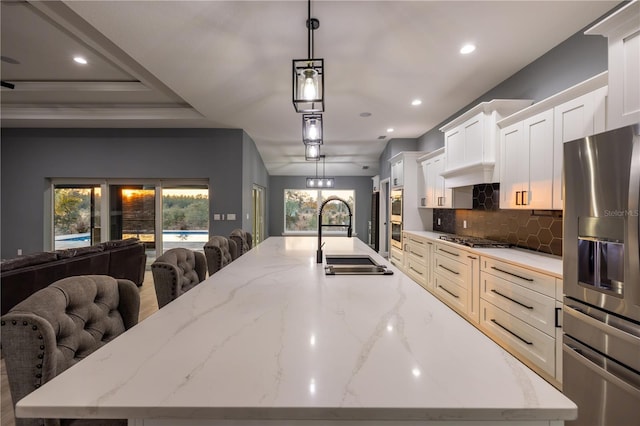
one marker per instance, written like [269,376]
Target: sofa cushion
[27,260]
[108,245]
[78,251]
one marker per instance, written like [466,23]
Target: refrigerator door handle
[611,329]
[586,356]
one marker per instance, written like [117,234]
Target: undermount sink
[353,264]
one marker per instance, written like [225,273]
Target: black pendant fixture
[308,75]
[323,182]
[312,129]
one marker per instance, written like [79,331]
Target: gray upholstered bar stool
[219,251]
[177,271]
[58,326]
[243,240]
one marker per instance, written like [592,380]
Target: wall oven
[396,234]
[396,205]
[601,262]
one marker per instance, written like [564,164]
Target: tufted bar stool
[177,271]
[219,251]
[58,326]
[240,237]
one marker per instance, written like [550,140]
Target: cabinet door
[454,143]
[538,135]
[474,140]
[430,179]
[440,192]
[575,119]
[512,174]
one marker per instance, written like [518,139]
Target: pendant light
[312,129]
[308,75]
[312,152]
[323,182]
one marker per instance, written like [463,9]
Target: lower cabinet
[455,279]
[518,308]
[519,311]
[396,257]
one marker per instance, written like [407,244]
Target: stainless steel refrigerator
[601,261]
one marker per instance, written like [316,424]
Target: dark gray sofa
[22,276]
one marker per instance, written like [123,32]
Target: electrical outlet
[231,216]
[19,252]
[464,224]
[439,221]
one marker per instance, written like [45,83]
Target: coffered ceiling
[227,64]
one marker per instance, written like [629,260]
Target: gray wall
[576,59]
[253,172]
[361,184]
[31,157]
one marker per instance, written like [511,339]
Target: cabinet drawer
[453,295]
[531,307]
[396,257]
[450,252]
[545,284]
[454,271]
[528,341]
[419,253]
[417,270]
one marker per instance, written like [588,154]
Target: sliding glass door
[161,214]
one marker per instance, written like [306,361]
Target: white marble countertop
[272,337]
[541,262]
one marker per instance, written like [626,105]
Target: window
[301,210]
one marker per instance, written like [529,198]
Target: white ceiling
[227,64]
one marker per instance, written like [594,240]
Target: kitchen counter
[541,262]
[271,337]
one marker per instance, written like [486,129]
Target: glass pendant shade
[308,85]
[312,152]
[312,129]
[317,182]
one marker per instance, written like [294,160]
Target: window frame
[319,200]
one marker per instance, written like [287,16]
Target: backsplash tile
[538,230]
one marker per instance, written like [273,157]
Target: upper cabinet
[376,183]
[404,175]
[433,192]
[397,171]
[622,30]
[471,142]
[531,143]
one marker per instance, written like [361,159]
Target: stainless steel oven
[601,262]
[396,234]
[396,205]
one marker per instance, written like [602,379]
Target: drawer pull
[510,332]
[472,257]
[512,274]
[450,270]
[416,254]
[415,270]
[454,295]
[416,241]
[513,300]
[448,252]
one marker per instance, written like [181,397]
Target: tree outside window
[301,209]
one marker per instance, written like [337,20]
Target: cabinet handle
[416,241]
[513,300]
[450,270]
[415,254]
[415,270]
[430,243]
[472,257]
[517,202]
[525,198]
[448,252]
[512,274]
[454,295]
[558,325]
[510,332]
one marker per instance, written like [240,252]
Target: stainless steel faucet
[320,225]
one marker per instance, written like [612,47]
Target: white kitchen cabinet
[622,30]
[456,279]
[417,255]
[531,143]
[527,166]
[396,257]
[436,194]
[519,310]
[397,172]
[580,117]
[376,183]
[471,143]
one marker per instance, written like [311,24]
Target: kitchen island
[271,340]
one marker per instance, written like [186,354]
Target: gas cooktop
[474,241]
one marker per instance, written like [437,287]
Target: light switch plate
[216,216]
[231,216]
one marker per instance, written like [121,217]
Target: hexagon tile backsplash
[538,230]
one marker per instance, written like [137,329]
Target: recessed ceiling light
[416,102]
[80,60]
[467,48]
[390,129]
